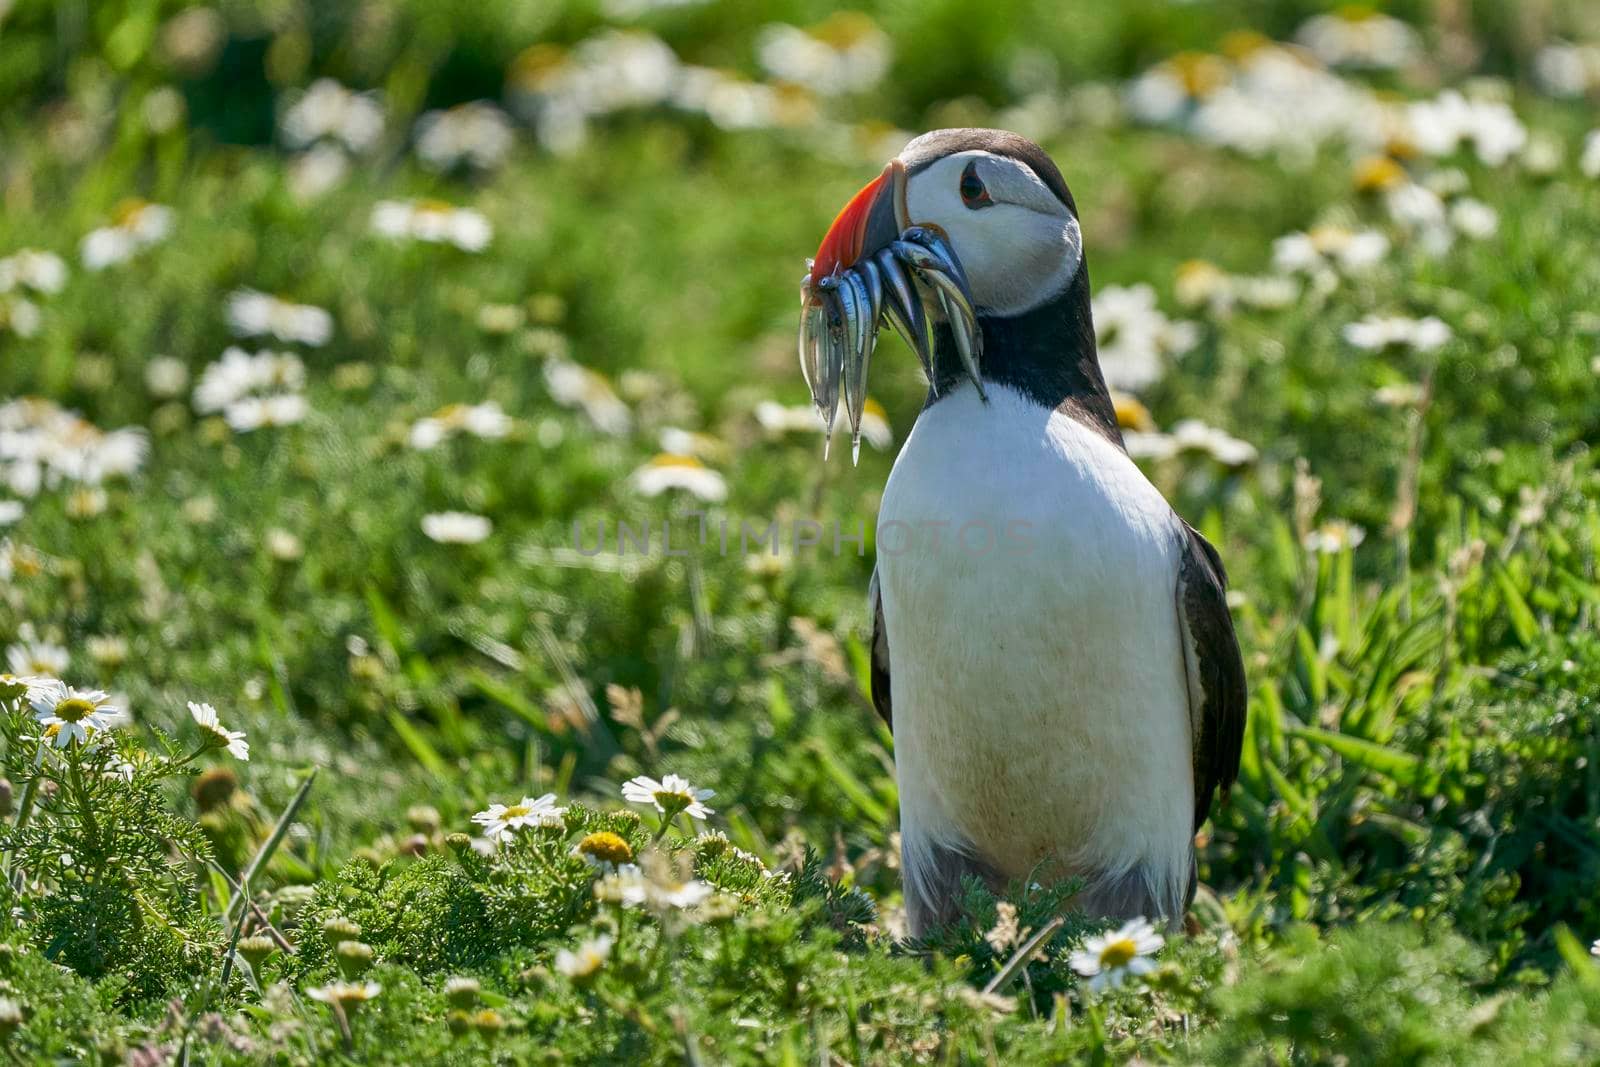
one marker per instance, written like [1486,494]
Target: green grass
[1405,872]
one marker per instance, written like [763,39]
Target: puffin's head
[999,201]
[962,237]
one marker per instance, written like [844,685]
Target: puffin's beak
[874,217]
[874,264]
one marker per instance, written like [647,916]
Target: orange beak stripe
[841,246]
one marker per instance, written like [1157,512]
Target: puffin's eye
[973,193]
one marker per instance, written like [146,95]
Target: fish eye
[973,192]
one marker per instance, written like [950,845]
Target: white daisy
[675,894]
[1474,218]
[1567,70]
[1272,100]
[1194,435]
[560,91]
[575,386]
[845,53]
[670,795]
[252,313]
[19,315]
[327,110]
[42,445]
[590,956]
[664,472]
[318,171]
[1170,89]
[1359,37]
[347,996]
[631,888]
[1442,125]
[238,374]
[43,272]
[1109,959]
[108,650]
[432,221]
[1350,251]
[456,527]
[500,821]
[477,134]
[486,420]
[166,376]
[680,442]
[136,225]
[1334,536]
[254,391]
[256,412]
[69,714]
[734,103]
[24,686]
[1589,161]
[1377,332]
[1421,213]
[38,657]
[217,735]
[1134,337]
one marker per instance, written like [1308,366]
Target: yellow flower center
[1377,173]
[1132,415]
[1240,44]
[515,811]
[538,64]
[1118,953]
[606,847]
[668,459]
[127,213]
[74,709]
[1201,74]
[843,29]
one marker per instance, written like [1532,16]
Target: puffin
[1051,643]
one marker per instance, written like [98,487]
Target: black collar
[1047,354]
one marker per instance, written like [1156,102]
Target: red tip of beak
[841,246]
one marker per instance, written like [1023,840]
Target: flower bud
[423,818]
[462,992]
[353,957]
[255,950]
[11,1017]
[337,929]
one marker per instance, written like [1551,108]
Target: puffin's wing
[880,653]
[1217,689]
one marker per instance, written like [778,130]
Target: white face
[1018,243]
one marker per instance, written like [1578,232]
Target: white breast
[1040,694]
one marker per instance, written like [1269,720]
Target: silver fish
[855,370]
[916,276]
[835,349]
[904,309]
[812,330]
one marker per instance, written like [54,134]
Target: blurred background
[333,319]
